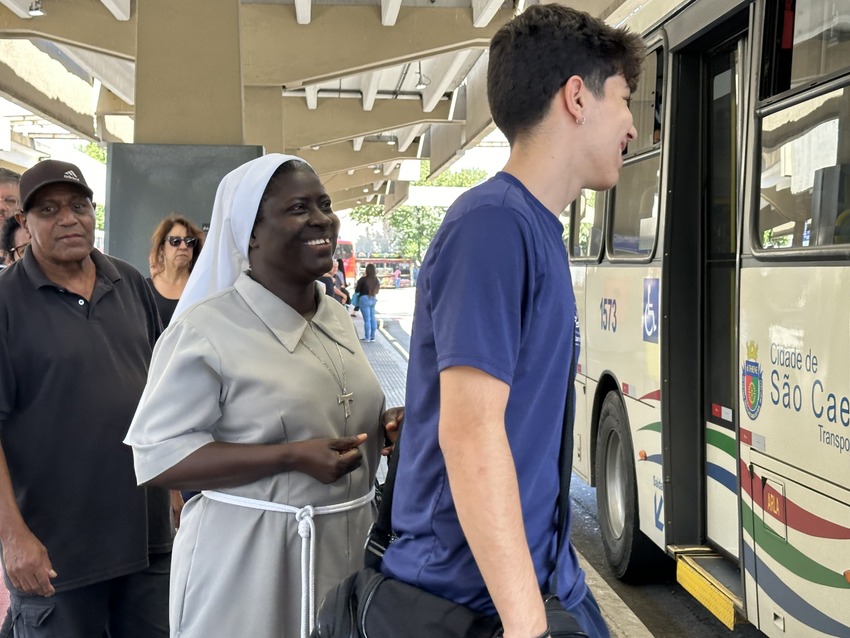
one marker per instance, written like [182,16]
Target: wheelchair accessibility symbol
[650,310]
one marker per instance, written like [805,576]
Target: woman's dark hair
[370,281]
[158,241]
[340,265]
[533,55]
[7,236]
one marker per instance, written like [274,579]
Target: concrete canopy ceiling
[353,86]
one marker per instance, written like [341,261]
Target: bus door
[700,294]
[722,168]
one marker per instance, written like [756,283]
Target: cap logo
[71,175]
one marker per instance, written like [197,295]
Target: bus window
[805,175]
[646,104]
[804,40]
[634,217]
[589,211]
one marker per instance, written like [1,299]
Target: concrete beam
[119,8]
[84,23]
[483,11]
[311,94]
[189,94]
[409,135]
[443,80]
[360,43]
[369,88]
[389,12]
[359,178]
[303,11]
[337,120]
[18,7]
[351,203]
[263,118]
[110,104]
[400,194]
[353,194]
[340,157]
[32,78]
[116,74]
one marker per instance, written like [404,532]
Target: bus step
[712,580]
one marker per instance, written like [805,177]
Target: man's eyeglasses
[19,251]
[12,202]
[175,241]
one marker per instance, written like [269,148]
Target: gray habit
[231,368]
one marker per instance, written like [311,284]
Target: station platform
[388,357]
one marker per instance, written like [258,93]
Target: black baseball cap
[50,172]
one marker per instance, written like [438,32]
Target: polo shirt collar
[285,322]
[102,266]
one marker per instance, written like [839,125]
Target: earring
[580,122]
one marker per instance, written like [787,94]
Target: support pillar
[188,80]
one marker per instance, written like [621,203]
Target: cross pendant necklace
[345,397]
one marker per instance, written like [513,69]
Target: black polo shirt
[71,375]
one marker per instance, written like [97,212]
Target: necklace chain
[345,397]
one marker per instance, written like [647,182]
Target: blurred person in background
[368,286]
[175,246]
[14,240]
[10,201]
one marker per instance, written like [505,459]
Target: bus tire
[627,549]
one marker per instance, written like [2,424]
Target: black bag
[367,604]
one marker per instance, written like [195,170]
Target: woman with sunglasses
[175,246]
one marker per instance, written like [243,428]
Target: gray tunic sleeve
[181,402]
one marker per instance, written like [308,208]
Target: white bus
[713,289]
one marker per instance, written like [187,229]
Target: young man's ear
[573,93]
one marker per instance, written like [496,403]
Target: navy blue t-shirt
[518,326]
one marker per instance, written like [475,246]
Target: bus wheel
[627,549]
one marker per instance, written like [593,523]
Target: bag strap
[565,458]
[381,533]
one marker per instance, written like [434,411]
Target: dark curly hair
[533,55]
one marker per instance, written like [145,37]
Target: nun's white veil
[225,252]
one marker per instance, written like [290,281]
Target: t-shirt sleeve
[477,319]
[181,402]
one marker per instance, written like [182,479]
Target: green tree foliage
[468,177]
[100,217]
[413,227]
[94,151]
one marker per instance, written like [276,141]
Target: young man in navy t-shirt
[476,495]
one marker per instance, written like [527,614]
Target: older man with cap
[77,330]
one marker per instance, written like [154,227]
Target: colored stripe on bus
[789,556]
[792,514]
[790,601]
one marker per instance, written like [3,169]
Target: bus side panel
[645,421]
[622,339]
[795,447]
[582,447]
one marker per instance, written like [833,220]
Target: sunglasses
[19,251]
[175,241]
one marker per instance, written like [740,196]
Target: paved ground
[388,356]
